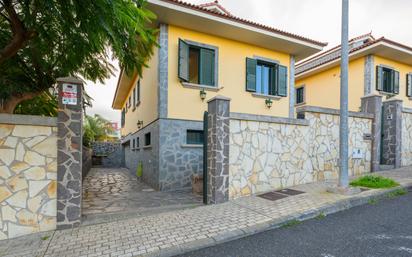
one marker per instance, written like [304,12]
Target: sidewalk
[180,231]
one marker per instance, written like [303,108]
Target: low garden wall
[28,174]
[267,153]
[406,141]
[86,161]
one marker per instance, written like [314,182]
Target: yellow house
[376,67]
[204,51]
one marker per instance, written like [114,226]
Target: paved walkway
[178,231]
[110,194]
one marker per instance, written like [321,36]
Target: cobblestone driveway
[113,193]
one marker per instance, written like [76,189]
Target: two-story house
[203,51]
[376,67]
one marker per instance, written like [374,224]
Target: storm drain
[288,191]
[280,194]
[272,196]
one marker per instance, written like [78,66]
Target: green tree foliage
[96,128]
[44,104]
[41,40]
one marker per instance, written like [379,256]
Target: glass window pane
[194,54]
[258,79]
[265,80]
[194,137]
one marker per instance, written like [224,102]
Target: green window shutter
[207,67]
[183,66]
[282,89]
[251,74]
[396,82]
[409,84]
[379,78]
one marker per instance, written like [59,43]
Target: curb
[275,223]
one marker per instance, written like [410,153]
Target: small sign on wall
[357,153]
[69,94]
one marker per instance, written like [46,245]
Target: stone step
[386,167]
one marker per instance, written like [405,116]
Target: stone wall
[406,142]
[111,154]
[86,161]
[267,153]
[28,173]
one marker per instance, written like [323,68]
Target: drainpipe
[292,87]
[344,127]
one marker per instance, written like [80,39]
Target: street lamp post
[343,126]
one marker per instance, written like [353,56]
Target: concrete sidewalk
[175,232]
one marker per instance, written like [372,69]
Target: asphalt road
[381,229]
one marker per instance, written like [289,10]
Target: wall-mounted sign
[69,94]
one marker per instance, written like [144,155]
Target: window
[387,80]
[300,95]
[138,92]
[266,78]
[194,137]
[137,142]
[133,144]
[409,85]
[197,63]
[134,97]
[147,139]
[123,117]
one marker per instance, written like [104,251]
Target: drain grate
[287,191]
[272,196]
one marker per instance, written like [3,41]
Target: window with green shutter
[387,80]
[300,95]
[266,78]
[197,63]
[409,85]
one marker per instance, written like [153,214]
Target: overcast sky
[316,19]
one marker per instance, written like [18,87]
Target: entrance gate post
[69,153]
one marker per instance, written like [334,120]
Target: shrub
[374,181]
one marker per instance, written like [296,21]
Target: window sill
[300,104]
[191,146]
[199,86]
[273,97]
[387,94]
[147,147]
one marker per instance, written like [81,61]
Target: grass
[291,223]
[320,216]
[44,238]
[397,193]
[373,201]
[373,181]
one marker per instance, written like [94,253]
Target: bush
[373,181]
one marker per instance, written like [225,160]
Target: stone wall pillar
[69,153]
[218,150]
[391,133]
[373,104]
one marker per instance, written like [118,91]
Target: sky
[315,19]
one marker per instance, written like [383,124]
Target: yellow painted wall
[147,110]
[403,70]
[185,103]
[323,89]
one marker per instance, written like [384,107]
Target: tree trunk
[8,105]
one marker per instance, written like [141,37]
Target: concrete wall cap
[317,109]
[219,97]
[372,95]
[73,80]
[18,119]
[268,119]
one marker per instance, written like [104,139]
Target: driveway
[113,193]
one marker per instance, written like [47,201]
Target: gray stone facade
[218,135]
[163,71]
[373,104]
[111,153]
[369,75]
[178,160]
[147,155]
[69,159]
[391,133]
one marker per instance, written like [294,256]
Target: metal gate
[205,127]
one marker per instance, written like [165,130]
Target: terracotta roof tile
[244,21]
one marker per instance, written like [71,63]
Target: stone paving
[168,233]
[112,193]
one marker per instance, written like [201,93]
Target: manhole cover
[272,196]
[287,191]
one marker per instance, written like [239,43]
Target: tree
[41,40]
[96,128]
